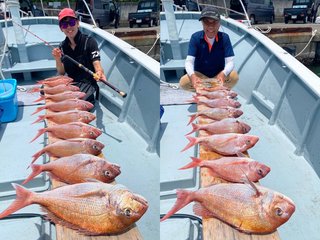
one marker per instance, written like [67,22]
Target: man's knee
[231,80]
[185,83]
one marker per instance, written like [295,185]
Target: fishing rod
[94,75]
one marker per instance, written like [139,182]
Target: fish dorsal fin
[199,210]
[247,181]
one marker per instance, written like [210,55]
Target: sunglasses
[71,22]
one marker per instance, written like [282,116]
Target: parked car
[257,10]
[188,4]
[147,13]
[301,10]
[104,12]
[26,6]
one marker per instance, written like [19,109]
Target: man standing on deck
[210,54]
[83,49]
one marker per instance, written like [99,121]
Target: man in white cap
[83,49]
[210,54]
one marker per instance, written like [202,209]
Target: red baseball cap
[66,12]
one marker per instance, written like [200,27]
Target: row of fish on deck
[237,200]
[86,201]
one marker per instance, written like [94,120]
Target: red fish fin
[195,99]
[23,199]
[240,154]
[195,163]
[195,128]
[184,197]
[199,210]
[39,99]
[39,109]
[36,170]
[192,141]
[247,181]
[40,132]
[192,118]
[35,89]
[38,154]
[93,193]
[40,118]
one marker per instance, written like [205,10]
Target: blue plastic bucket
[8,100]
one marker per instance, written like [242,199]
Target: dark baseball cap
[210,12]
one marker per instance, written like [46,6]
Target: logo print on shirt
[95,54]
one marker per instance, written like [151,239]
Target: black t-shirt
[85,52]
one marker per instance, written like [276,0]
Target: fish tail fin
[192,118]
[184,197]
[35,89]
[40,118]
[195,163]
[23,199]
[40,132]
[195,128]
[37,155]
[39,109]
[192,141]
[36,170]
[195,99]
[39,99]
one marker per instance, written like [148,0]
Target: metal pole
[14,8]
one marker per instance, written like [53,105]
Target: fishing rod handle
[122,94]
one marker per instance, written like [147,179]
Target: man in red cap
[83,49]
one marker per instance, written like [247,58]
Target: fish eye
[127,212]
[107,173]
[95,147]
[248,142]
[260,172]
[91,133]
[279,212]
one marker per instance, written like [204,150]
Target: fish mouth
[141,200]
[116,169]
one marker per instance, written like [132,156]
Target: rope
[263,31]
[158,37]
[312,36]
[170,85]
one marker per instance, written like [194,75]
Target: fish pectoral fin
[240,154]
[222,143]
[91,194]
[199,210]
[246,180]
[92,180]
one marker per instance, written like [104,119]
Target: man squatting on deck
[83,49]
[210,53]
